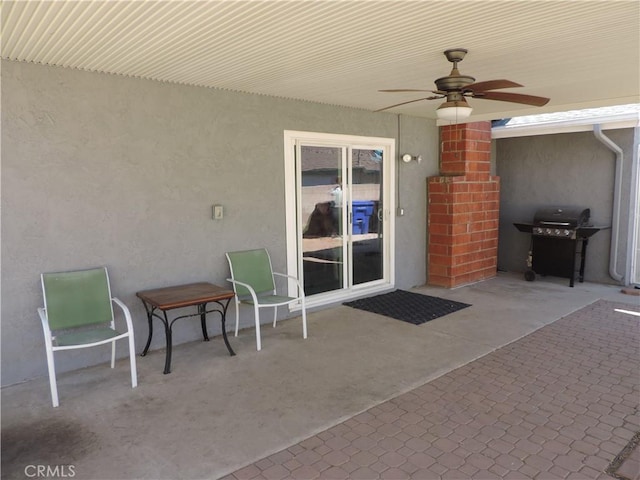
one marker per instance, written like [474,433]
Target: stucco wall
[106,170]
[563,169]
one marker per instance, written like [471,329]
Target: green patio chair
[253,283]
[78,313]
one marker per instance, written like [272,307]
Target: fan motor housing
[453,82]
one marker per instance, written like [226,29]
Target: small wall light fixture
[407,158]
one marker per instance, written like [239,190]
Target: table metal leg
[202,310]
[167,329]
[168,326]
[223,319]
[150,319]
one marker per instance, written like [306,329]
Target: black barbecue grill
[558,236]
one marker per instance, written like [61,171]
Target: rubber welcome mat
[407,306]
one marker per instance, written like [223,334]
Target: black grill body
[556,256]
[558,236]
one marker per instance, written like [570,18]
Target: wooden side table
[180,296]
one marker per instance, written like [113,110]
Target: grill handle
[557,224]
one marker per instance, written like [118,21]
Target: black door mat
[409,307]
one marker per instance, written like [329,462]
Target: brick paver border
[626,466]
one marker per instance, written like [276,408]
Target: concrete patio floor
[286,412]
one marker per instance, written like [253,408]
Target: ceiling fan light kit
[455,87]
[454,111]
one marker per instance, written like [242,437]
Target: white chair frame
[49,340]
[257,305]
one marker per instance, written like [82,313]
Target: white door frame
[293,210]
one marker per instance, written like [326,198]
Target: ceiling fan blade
[395,90]
[404,103]
[513,97]
[491,85]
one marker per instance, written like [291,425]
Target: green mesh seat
[78,313]
[253,282]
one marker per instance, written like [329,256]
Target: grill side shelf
[589,231]
[524,227]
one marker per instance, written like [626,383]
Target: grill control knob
[567,233]
[548,231]
[557,232]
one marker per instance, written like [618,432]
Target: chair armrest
[292,277]
[42,312]
[127,313]
[254,297]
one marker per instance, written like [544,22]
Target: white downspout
[615,220]
[633,260]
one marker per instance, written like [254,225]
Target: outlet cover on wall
[218,212]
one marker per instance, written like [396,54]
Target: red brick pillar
[463,207]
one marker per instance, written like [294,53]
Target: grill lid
[566,217]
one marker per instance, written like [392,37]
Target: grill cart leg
[530,275]
[583,254]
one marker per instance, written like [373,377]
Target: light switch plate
[218,212]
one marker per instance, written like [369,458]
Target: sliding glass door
[323,217]
[338,221]
[367,207]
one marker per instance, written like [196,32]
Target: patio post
[463,207]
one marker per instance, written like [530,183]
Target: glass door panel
[367,215]
[322,218]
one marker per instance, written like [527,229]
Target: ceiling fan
[455,87]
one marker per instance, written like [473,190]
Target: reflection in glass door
[322,206]
[367,215]
[341,195]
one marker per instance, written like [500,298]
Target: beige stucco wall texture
[106,170]
[569,169]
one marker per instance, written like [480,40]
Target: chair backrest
[77,298]
[252,267]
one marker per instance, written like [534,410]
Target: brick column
[463,207]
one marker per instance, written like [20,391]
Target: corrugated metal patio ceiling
[579,53]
